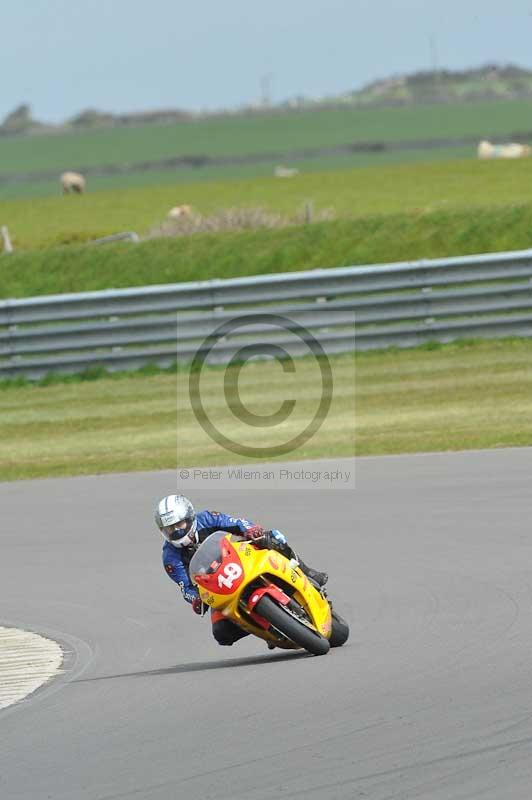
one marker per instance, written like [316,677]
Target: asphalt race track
[431,561]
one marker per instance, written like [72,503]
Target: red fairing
[229,574]
[273,591]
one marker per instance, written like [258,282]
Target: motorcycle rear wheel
[295,630]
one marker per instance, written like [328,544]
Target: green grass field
[419,188]
[451,398]
[455,397]
[180,179]
[269,133]
[275,134]
[385,214]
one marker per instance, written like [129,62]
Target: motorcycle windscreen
[208,557]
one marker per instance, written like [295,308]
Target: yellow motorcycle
[266,594]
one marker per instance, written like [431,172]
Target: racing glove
[198,606]
[254,533]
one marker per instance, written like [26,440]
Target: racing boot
[319,579]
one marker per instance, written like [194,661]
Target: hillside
[487,83]
[490,82]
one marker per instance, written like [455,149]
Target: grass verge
[452,397]
[377,239]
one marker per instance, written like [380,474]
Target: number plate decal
[231,573]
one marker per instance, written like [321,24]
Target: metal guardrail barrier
[401,305]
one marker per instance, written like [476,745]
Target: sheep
[485,149]
[180,212]
[72,182]
[285,172]
[512,150]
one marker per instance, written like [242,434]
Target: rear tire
[299,633]
[339,632]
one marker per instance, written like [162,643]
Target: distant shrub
[239,219]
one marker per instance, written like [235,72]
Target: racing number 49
[232,573]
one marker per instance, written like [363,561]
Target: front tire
[339,632]
[295,630]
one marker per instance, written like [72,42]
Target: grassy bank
[450,398]
[377,239]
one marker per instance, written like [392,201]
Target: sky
[63,56]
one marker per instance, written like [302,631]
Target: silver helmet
[176,519]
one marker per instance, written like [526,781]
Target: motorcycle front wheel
[340,630]
[294,629]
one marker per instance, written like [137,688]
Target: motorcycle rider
[183,530]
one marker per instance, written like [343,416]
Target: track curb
[27,661]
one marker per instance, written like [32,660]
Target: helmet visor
[176,531]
